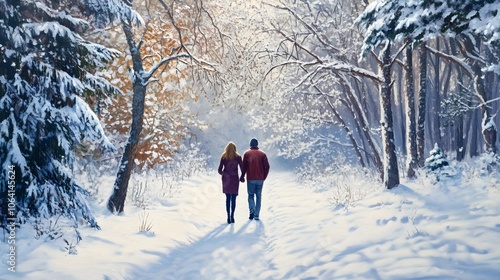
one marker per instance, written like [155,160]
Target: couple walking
[256,167]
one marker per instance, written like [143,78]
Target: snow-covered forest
[379,119]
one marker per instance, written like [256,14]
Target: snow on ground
[416,231]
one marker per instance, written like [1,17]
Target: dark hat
[254,142]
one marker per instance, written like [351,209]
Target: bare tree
[141,78]
[319,49]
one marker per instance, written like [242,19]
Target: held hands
[242,179]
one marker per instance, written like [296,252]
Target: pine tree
[46,68]
[437,160]
[436,164]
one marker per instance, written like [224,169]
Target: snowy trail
[417,230]
[248,249]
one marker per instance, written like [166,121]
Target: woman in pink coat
[228,168]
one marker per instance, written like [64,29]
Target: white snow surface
[415,231]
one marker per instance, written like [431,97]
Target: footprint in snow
[383,222]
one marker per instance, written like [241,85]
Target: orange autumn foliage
[166,118]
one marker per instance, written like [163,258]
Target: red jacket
[255,164]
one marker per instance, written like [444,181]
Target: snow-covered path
[416,231]
[249,249]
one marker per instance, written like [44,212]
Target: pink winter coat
[229,171]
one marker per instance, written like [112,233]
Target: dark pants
[230,204]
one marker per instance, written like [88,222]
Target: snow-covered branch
[395,56]
[287,63]
[348,68]
[460,62]
[164,61]
[321,38]
[299,45]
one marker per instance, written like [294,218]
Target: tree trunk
[391,171]
[349,133]
[399,116]
[488,128]
[460,137]
[474,149]
[367,143]
[361,119]
[344,125]
[422,105]
[410,117]
[446,77]
[459,133]
[116,202]
[436,101]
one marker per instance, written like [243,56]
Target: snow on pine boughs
[47,68]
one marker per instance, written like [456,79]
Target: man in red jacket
[256,167]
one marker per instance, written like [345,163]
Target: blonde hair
[230,151]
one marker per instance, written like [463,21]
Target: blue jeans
[254,188]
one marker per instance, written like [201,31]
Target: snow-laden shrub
[437,165]
[486,165]
[95,170]
[49,229]
[344,184]
[54,228]
[437,160]
[188,160]
[162,182]
[147,184]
